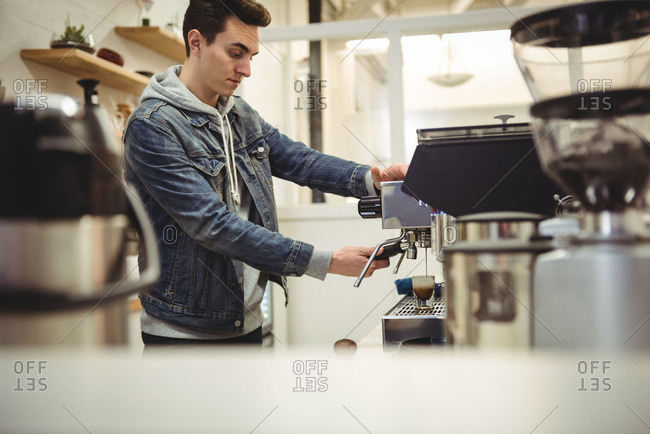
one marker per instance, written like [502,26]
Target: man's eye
[236,54]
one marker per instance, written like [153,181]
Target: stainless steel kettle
[65,218]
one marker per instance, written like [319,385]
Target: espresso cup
[423,290]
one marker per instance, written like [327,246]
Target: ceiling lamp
[451,70]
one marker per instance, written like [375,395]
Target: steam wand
[372,257]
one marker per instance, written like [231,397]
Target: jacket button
[240,280]
[260,149]
[237,323]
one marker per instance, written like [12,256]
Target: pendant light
[451,70]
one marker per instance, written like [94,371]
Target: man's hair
[209,17]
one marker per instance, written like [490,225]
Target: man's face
[226,61]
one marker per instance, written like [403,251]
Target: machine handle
[369,207]
[390,250]
[504,118]
[373,256]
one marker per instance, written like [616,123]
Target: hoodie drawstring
[229,147]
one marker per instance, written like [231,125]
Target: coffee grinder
[587,67]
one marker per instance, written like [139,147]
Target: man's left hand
[396,172]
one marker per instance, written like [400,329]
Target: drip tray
[404,322]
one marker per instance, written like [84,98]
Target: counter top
[311,390]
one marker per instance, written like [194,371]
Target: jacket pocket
[211,168]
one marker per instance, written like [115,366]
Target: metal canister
[488,276]
[443,233]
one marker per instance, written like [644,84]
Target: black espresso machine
[491,171]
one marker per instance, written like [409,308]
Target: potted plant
[73,37]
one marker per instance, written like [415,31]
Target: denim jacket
[175,159]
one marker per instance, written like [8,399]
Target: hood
[167,87]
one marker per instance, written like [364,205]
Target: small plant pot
[72,44]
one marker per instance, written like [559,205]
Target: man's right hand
[349,261]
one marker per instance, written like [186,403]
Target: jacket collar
[198,119]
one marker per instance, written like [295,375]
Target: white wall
[31,24]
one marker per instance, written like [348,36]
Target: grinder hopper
[588,67]
[596,146]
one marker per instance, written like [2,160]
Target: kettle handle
[149,275]
[26,300]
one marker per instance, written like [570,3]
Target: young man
[202,162]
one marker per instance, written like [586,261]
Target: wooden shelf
[157,39]
[85,65]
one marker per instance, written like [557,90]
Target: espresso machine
[397,210]
[479,215]
[407,322]
[587,67]
[489,178]
[66,220]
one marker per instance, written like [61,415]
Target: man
[202,162]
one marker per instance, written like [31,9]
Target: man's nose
[244,67]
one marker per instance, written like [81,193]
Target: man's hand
[349,261]
[396,172]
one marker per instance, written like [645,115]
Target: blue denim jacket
[175,159]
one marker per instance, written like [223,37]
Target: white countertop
[233,391]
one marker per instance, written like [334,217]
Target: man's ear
[194,39]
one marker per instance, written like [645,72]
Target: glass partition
[460,79]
